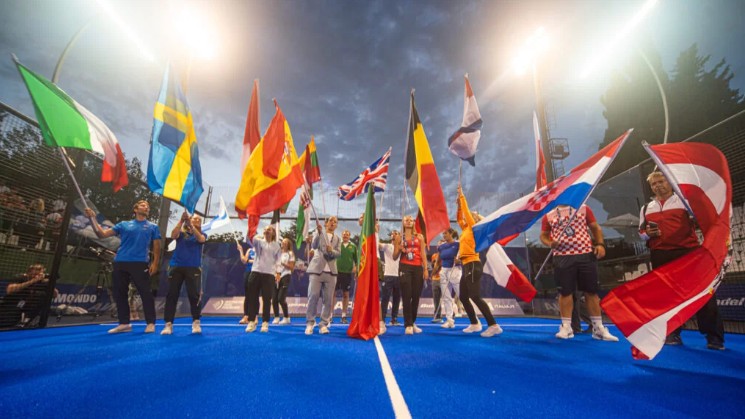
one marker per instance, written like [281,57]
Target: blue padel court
[83,372]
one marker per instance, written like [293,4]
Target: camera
[652,224]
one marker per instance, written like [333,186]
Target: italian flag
[366,315]
[66,123]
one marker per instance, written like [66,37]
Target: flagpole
[406,150]
[313,207]
[72,176]
[323,198]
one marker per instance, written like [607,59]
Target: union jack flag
[376,173]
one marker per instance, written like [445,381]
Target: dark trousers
[391,286]
[246,275]
[470,287]
[137,273]
[177,276]
[708,318]
[279,298]
[260,283]
[437,296]
[412,281]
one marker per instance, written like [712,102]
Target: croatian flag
[376,173]
[650,307]
[463,143]
[571,189]
[220,220]
[507,275]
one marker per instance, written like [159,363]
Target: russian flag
[507,275]
[571,189]
[650,307]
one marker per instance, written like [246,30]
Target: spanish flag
[272,174]
[422,178]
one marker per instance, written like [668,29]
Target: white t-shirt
[286,258]
[390,265]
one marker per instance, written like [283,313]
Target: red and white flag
[649,308]
[464,142]
[507,275]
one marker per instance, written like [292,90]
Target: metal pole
[662,93]
[540,108]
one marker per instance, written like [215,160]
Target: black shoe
[673,340]
[395,322]
[344,320]
[715,346]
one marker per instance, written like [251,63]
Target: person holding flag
[186,266]
[670,233]
[575,254]
[326,248]
[131,262]
[409,248]
[470,282]
[261,280]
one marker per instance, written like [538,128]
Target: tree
[38,169]
[697,98]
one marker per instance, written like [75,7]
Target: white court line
[400,409]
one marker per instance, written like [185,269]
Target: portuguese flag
[366,315]
[66,123]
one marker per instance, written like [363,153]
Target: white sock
[597,322]
[566,321]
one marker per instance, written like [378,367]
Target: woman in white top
[261,279]
[284,273]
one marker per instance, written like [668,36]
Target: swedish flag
[173,169]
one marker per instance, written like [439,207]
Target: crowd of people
[574,236]
[28,222]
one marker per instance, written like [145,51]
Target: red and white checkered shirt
[577,239]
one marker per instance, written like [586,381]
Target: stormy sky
[341,70]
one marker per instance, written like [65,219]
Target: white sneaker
[168,329]
[603,334]
[264,327]
[286,320]
[323,330]
[121,328]
[244,320]
[382,328]
[409,330]
[473,328]
[196,327]
[417,329]
[491,331]
[251,327]
[565,332]
[276,320]
[449,324]
[150,328]
[309,329]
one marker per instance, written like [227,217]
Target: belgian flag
[421,175]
